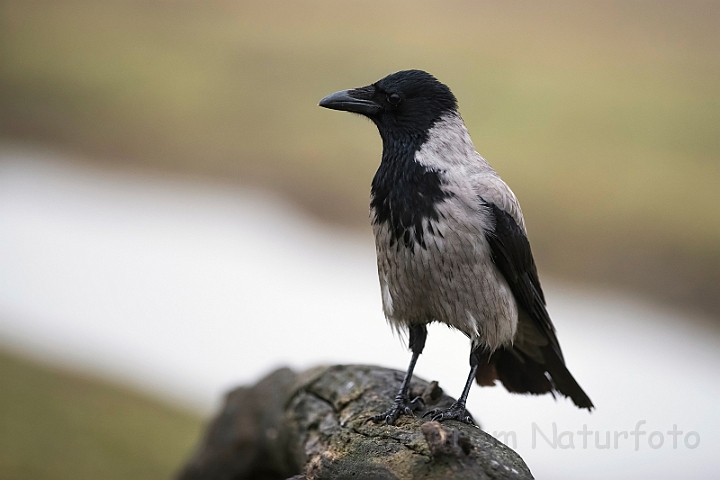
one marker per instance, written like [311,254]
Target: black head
[408,102]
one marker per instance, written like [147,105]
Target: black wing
[526,367]
[512,255]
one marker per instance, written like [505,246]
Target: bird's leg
[402,404]
[457,410]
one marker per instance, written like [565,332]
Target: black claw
[456,411]
[401,406]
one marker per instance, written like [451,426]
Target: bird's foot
[456,411]
[401,406]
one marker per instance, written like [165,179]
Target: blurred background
[176,212]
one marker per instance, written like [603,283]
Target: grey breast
[451,277]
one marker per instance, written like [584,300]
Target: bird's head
[406,103]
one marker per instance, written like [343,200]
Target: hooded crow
[452,247]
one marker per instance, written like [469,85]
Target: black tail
[545,372]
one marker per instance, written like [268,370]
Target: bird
[452,246]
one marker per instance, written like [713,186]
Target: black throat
[404,193]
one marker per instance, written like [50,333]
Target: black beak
[356,101]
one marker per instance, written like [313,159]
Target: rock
[312,426]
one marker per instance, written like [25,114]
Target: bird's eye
[393,99]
